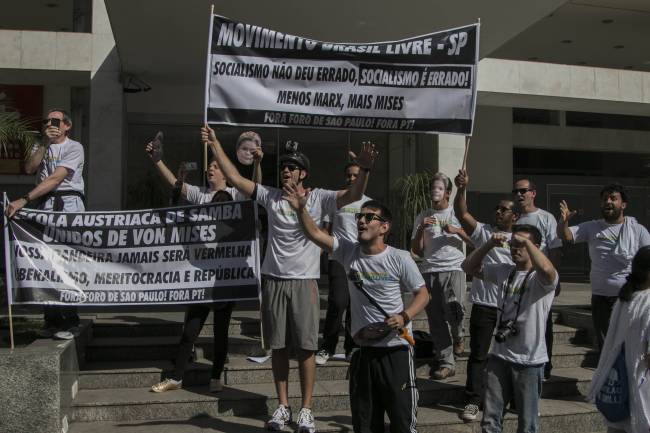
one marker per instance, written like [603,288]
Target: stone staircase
[129,353]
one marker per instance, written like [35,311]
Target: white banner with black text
[180,255]
[261,77]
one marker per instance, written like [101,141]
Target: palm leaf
[14,129]
[412,196]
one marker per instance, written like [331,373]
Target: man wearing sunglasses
[290,298]
[484,295]
[438,238]
[524,193]
[59,162]
[382,376]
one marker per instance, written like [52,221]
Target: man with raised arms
[382,376]
[484,295]
[290,299]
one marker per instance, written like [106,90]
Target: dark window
[535,116]
[609,121]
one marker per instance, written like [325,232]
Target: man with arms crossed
[290,299]
[442,254]
[382,376]
[524,192]
[515,366]
[613,241]
[484,295]
[342,225]
[59,161]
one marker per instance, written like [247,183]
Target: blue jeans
[507,381]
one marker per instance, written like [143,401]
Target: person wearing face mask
[247,149]
[438,238]
[613,241]
[59,162]
[290,300]
[196,314]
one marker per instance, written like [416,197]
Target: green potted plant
[412,195]
[17,136]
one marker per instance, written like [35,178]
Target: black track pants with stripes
[382,380]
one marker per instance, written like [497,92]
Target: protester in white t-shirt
[515,367]
[196,314]
[438,238]
[384,363]
[524,193]
[58,161]
[613,241]
[341,224]
[484,295]
[290,299]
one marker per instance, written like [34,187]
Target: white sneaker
[167,385]
[306,423]
[470,412]
[63,335]
[322,356]
[280,418]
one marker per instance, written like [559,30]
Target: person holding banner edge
[59,162]
[196,314]
[290,299]
[382,374]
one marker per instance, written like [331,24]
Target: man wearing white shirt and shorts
[59,162]
[290,298]
[483,294]
[382,374]
[342,224]
[515,367]
[610,254]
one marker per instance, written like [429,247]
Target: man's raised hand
[498,239]
[367,156]
[296,200]
[462,179]
[207,134]
[565,213]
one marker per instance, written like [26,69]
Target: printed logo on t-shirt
[607,236]
[376,276]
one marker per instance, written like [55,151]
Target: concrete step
[259,398]
[556,415]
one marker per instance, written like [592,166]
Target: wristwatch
[406,317]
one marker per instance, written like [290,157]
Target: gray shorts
[290,314]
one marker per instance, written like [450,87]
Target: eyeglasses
[502,209]
[369,216]
[52,120]
[521,191]
[290,167]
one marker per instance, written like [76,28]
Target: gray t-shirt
[68,154]
[385,276]
[289,253]
[344,225]
[482,292]
[443,252]
[547,225]
[608,272]
[528,347]
[201,195]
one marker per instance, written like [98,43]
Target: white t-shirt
[289,253]
[443,252]
[528,347]
[344,225]
[547,225]
[385,276]
[608,272]
[200,195]
[68,154]
[482,292]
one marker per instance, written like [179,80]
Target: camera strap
[511,278]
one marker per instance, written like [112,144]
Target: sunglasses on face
[290,167]
[369,216]
[502,209]
[53,121]
[521,191]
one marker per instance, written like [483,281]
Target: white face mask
[245,152]
[438,191]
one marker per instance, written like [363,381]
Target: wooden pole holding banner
[5,201]
[467,139]
[206,98]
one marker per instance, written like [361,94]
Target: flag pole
[5,201]
[206,97]
[467,140]
[11,328]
